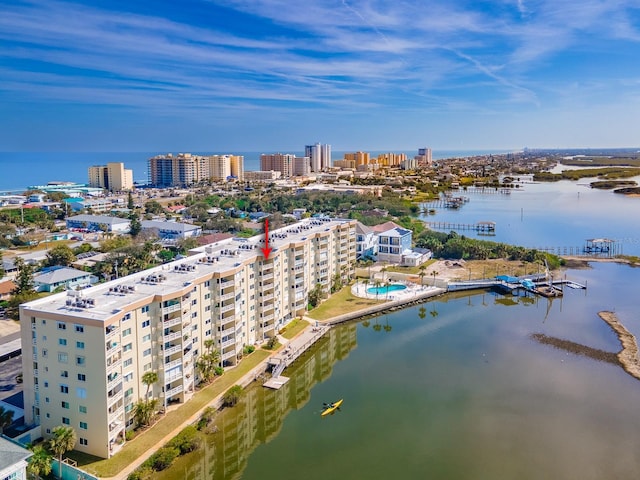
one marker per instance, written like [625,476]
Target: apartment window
[126,317]
[64,373]
[207,308]
[147,367]
[44,352]
[127,347]
[64,388]
[146,353]
[146,338]
[80,345]
[128,362]
[194,314]
[83,425]
[128,377]
[146,323]
[66,421]
[62,326]
[44,322]
[128,392]
[207,333]
[44,338]
[207,283]
[82,409]
[46,384]
[80,360]
[128,408]
[79,328]
[82,377]
[46,399]
[194,302]
[145,309]
[81,392]
[207,296]
[83,441]
[126,331]
[62,341]
[65,405]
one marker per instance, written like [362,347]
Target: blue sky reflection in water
[551,215]
[464,393]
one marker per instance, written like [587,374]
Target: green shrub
[248,349]
[141,473]
[163,458]
[232,396]
[129,435]
[186,441]
[206,418]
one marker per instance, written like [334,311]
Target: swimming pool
[394,287]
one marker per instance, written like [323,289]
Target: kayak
[332,407]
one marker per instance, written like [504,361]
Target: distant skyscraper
[112,176]
[301,166]
[319,156]
[279,162]
[424,157]
[237,166]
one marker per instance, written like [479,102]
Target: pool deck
[411,291]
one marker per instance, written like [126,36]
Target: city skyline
[274,76]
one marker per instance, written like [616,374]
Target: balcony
[170,309]
[117,412]
[230,319]
[113,399]
[171,350]
[267,297]
[266,318]
[115,381]
[171,322]
[174,391]
[114,362]
[172,364]
[174,376]
[227,356]
[267,276]
[111,332]
[227,296]
[171,336]
[227,308]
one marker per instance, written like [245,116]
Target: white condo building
[84,352]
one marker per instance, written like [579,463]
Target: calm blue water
[387,288]
[32,168]
[560,214]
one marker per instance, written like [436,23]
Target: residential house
[56,277]
[366,242]
[13,460]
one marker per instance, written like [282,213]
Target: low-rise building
[94,223]
[171,230]
[62,277]
[13,460]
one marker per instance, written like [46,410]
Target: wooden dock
[482,227]
[291,352]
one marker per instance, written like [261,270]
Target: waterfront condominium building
[280,162]
[85,351]
[319,156]
[359,158]
[112,176]
[176,171]
[424,157]
[223,166]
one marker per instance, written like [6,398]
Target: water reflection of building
[258,418]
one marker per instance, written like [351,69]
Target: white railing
[267,297]
[171,350]
[173,376]
[226,356]
[227,343]
[171,322]
[229,319]
[266,318]
[171,336]
[114,398]
[171,309]
[226,308]
[174,391]
[267,276]
[172,364]
[227,296]
[114,382]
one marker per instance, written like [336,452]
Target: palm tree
[39,462]
[149,378]
[64,439]
[6,418]
[377,284]
[144,411]
[365,282]
[386,292]
[208,361]
[434,273]
[422,269]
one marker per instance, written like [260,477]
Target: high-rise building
[319,156]
[424,158]
[88,349]
[112,176]
[360,158]
[280,162]
[177,171]
[221,167]
[301,166]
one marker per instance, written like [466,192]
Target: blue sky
[264,75]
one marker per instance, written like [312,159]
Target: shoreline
[628,356]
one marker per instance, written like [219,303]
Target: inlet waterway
[460,387]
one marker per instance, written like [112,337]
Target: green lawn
[150,438]
[294,328]
[340,303]
[410,270]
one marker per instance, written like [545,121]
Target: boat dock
[536,284]
[292,350]
[484,227]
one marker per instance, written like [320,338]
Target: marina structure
[89,349]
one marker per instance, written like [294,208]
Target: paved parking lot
[8,372]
